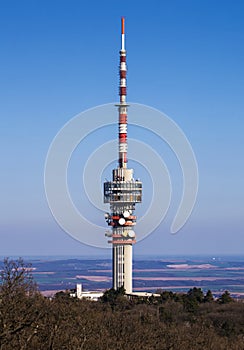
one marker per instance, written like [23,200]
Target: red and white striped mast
[122,106]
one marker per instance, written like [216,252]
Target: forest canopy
[194,320]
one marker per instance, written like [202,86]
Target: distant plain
[178,274]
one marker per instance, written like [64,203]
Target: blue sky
[185,58]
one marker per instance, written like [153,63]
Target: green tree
[166,295]
[208,298]
[116,298]
[225,298]
[196,293]
[192,299]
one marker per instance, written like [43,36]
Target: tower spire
[122,33]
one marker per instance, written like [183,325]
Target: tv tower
[122,193]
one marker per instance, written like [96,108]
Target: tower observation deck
[122,193]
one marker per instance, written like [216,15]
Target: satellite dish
[108,234]
[121,221]
[126,214]
[131,234]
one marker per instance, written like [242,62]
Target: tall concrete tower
[122,193]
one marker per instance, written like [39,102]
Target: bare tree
[18,304]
